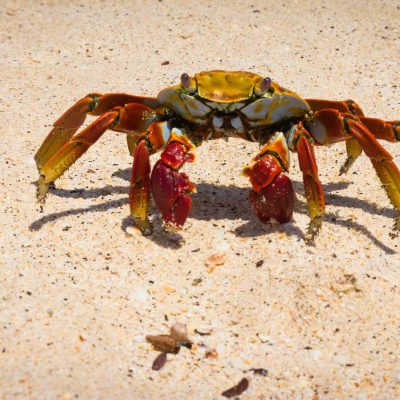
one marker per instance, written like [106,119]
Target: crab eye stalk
[185,80]
[263,86]
[188,83]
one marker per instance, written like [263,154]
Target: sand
[80,288]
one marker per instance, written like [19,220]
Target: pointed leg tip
[144,225]
[146,231]
[343,171]
[313,230]
[396,228]
[346,166]
[309,238]
[41,191]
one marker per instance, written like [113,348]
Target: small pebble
[211,354]
[131,231]
[140,295]
[179,332]
[259,263]
[265,339]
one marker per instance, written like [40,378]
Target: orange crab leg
[63,129]
[67,125]
[131,118]
[385,130]
[312,185]
[139,192]
[383,163]
[62,159]
[345,106]
[353,148]
[330,126]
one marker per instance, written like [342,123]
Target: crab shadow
[218,202]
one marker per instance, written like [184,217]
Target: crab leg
[139,192]
[345,106]
[385,130]
[155,138]
[272,197]
[67,125]
[133,117]
[170,189]
[63,129]
[353,148]
[330,126]
[302,142]
[383,163]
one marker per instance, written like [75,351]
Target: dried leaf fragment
[236,390]
[197,281]
[164,343]
[159,362]
[202,333]
[214,261]
[211,354]
[259,371]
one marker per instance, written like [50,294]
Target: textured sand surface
[78,293]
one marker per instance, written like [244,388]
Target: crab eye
[265,84]
[185,80]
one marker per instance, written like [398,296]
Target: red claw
[170,188]
[263,172]
[276,201]
[182,209]
[174,155]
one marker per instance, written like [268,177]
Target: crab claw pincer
[272,197]
[276,201]
[170,188]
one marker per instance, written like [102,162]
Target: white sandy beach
[80,289]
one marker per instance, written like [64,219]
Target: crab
[221,104]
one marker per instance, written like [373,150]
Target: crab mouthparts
[227,122]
